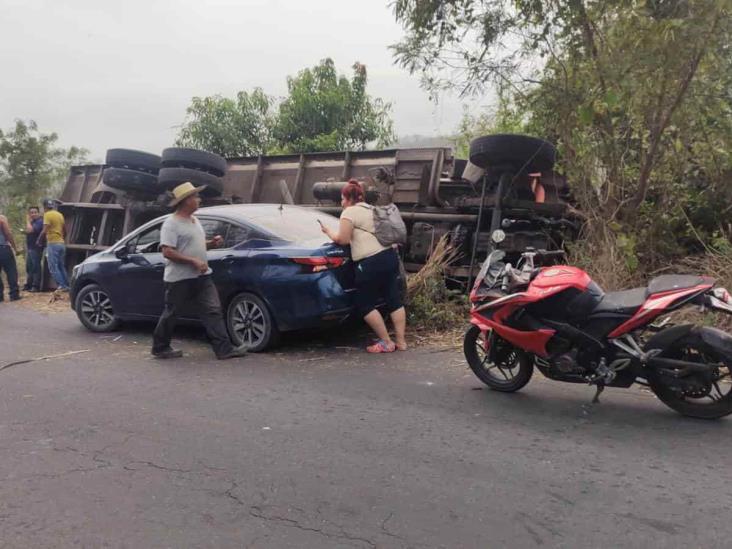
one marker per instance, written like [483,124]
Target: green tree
[230,127]
[327,112]
[635,93]
[32,166]
[322,112]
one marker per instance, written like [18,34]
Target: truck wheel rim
[97,308]
[250,324]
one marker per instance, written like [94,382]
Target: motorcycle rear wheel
[714,405]
[510,373]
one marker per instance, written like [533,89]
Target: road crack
[386,530]
[155,466]
[257,512]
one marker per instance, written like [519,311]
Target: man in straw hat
[188,277]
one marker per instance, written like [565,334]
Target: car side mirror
[124,252]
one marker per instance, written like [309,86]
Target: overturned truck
[508,183]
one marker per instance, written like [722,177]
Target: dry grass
[46,302]
[441,258]
[597,253]
[437,315]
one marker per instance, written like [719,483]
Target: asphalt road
[321,446]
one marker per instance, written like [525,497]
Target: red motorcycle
[558,320]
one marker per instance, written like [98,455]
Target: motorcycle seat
[626,302]
[666,283]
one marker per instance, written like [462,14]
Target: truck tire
[132,181]
[168,178]
[176,157]
[133,160]
[519,152]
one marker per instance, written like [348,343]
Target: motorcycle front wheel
[512,368]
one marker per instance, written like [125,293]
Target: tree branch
[660,127]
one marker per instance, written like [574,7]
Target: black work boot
[236,352]
[168,353]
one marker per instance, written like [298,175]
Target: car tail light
[317,264]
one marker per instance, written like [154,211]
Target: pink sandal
[381,346]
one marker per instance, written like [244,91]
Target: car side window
[147,242]
[236,235]
[232,233]
[213,227]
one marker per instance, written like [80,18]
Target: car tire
[133,181]
[250,323]
[168,178]
[133,160]
[519,152]
[176,157]
[94,308]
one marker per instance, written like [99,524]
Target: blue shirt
[32,238]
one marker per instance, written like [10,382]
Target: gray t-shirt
[188,237]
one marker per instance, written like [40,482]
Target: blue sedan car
[275,272]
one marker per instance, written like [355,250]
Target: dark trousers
[202,292]
[7,264]
[33,269]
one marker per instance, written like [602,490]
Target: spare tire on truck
[169,178]
[518,152]
[133,160]
[176,157]
[131,181]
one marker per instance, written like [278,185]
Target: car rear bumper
[309,302]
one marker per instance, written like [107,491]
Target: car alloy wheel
[250,323]
[94,308]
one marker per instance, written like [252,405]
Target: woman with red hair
[377,269]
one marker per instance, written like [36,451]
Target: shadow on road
[348,335]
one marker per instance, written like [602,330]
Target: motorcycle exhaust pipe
[679,368]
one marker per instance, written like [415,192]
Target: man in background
[54,232]
[7,261]
[33,252]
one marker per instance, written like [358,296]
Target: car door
[226,262]
[140,275]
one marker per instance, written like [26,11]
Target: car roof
[246,211]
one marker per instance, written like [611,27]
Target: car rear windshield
[295,224]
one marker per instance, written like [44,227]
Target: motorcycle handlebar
[553,253]
[531,252]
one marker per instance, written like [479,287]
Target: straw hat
[183,191]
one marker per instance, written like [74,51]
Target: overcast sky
[120,74]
